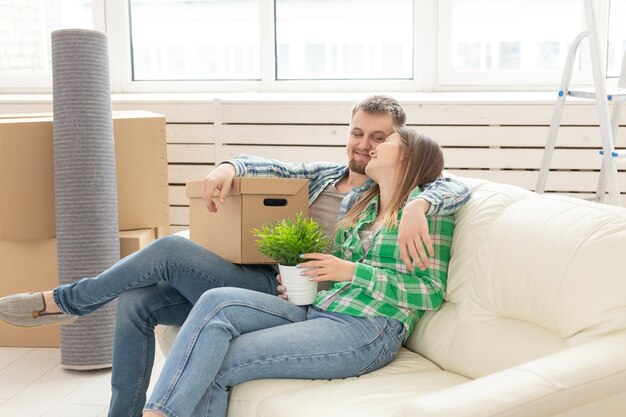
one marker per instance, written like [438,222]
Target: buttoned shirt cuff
[240,167]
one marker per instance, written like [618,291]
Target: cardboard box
[28,266]
[31,266]
[27,208]
[133,240]
[251,203]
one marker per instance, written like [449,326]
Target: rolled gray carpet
[85,185]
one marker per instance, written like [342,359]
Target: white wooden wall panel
[174,112]
[515,136]
[579,113]
[190,133]
[520,158]
[290,153]
[190,153]
[256,134]
[287,113]
[181,174]
[557,181]
[178,195]
[179,216]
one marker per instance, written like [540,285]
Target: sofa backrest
[530,275]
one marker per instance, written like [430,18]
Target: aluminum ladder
[608,125]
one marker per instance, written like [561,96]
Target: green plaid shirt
[382,285]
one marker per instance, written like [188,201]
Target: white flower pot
[300,289]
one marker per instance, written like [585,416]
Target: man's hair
[381,104]
[421,163]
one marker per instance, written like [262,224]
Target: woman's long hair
[421,163]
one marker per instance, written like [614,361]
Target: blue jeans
[234,335]
[157,285]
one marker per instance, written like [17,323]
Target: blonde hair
[421,164]
[380,104]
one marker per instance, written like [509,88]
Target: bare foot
[151,414]
[51,306]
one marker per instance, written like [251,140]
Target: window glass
[25,27]
[344,39]
[617,37]
[513,35]
[195,40]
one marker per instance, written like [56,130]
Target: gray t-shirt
[325,209]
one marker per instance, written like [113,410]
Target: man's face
[367,131]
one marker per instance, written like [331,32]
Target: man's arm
[256,166]
[446,195]
[221,178]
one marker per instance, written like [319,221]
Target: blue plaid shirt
[445,195]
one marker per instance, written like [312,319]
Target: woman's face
[385,158]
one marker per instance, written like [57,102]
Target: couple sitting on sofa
[243,331]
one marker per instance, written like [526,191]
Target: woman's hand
[323,267]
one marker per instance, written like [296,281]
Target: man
[333,188]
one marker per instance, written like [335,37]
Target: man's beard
[358,167]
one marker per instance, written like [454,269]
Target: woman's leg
[252,337]
[326,346]
[200,347]
[186,266]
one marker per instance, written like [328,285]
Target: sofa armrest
[544,387]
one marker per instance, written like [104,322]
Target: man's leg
[141,306]
[138,312]
[184,265]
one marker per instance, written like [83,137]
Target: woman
[234,335]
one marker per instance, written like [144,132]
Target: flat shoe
[28,310]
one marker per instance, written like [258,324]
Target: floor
[33,384]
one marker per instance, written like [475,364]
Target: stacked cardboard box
[27,209]
[31,266]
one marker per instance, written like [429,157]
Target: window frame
[431,62]
[268,82]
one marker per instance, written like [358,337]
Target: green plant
[284,240]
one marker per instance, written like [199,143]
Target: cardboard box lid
[254,186]
[118,114]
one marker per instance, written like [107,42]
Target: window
[25,27]
[195,40]
[313,45]
[506,42]
[344,39]
[617,38]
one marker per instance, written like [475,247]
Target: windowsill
[500,97]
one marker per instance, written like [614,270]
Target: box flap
[269,186]
[253,185]
[195,189]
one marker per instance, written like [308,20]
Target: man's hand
[281,288]
[413,235]
[221,179]
[323,267]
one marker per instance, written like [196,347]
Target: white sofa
[534,324]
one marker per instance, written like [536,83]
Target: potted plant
[284,241]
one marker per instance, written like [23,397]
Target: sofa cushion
[368,395]
[530,275]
